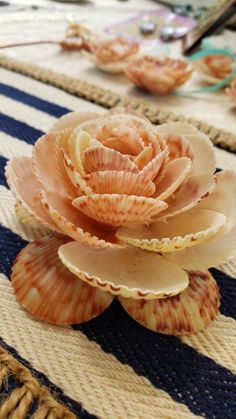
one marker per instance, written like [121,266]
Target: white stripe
[46,92]
[217,341]
[26,114]
[104,386]
[11,146]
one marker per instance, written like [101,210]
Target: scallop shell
[185,230]
[175,173]
[51,292]
[189,194]
[76,225]
[118,209]
[144,157]
[127,183]
[30,221]
[203,154]
[45,161]
[129,272]
[189,312]
[178,146]
[204,72]
[26,189]
[112,68]
[150,171]
[78,143]
[72,120]
[102,158]
[80,184]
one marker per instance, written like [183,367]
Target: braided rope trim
[108,99]
[18,403]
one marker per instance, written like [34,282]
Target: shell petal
[178,147]
[144,157]
[127,183]
[112,68]
[223,198]
[80,184]
[118,209]
[189,195]
[75,224]
[51,292]
[185,230]
[211,253]
[203,161]
[26,189]
[150,171]
[47,165]
[130,272]
[30,221]
[103,158]
[176,172]
[79,141]
[72,120]
[189,312]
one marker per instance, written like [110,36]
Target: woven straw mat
[109,367]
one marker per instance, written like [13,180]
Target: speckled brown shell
[188,312]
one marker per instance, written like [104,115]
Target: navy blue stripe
[189,377]
[3,162]
[19,129]
[13,383]
[10,245]
[33,101]
[227,286]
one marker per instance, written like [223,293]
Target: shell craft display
[131,211]
[158,75]
[214,68]
[111,55]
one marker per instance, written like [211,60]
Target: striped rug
[109,367]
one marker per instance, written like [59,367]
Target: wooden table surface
[20,21]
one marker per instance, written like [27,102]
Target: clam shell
[51,292]
[129,272]
[175,173]
[26,189]
[189,312]
[75,224]
[102,158]
[127,183]
[80,184]
[185,230]
[118,209]
[72,120]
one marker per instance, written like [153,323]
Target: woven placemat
[109,367]
[109,99]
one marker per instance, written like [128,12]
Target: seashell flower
[135,212]
[158,75]
[214,68]
[111,55]
[231,90]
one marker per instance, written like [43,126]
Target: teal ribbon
[203,53]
